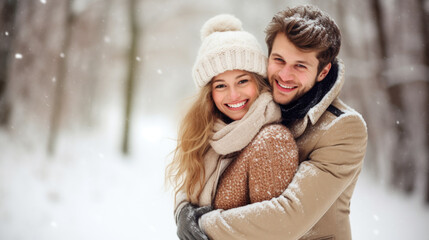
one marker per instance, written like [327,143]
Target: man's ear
[324,72]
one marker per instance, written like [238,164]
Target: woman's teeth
[236,105]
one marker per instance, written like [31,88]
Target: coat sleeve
[332,165]
[179,201]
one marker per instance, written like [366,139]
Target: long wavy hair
[186,171]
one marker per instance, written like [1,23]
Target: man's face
[291,71]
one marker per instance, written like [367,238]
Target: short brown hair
[308,28]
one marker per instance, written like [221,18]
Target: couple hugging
[267,150]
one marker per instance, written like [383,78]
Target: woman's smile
[237,106]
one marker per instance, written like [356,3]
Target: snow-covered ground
[378,212]
[89,191]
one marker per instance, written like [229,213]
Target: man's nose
[286,73]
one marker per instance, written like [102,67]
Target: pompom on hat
[225,46]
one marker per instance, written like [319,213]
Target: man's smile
[285,88]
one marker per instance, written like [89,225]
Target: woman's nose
[234,94]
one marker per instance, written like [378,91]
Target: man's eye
[278,60]
[301,66]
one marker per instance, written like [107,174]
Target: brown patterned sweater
[262,170]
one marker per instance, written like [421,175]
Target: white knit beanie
[225,46]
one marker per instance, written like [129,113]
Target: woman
[231,150]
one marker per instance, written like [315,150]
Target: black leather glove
[187,223]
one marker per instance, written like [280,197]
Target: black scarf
[298,109]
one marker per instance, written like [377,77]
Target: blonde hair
[186,171]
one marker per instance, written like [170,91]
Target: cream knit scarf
[233,137]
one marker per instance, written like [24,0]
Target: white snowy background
[89,190]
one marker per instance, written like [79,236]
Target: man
[306,77]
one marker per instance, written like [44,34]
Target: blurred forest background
[74,68]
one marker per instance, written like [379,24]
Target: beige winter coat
[316,204]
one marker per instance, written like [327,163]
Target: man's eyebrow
[276,55]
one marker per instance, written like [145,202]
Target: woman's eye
[220,86]
[243,81]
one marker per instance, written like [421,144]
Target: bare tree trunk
[7,23]
[380,33]
[405,76]
[393,92]
[425,30]
[60,81]
[129,90]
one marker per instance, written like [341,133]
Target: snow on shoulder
[348,112]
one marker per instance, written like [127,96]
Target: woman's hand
[187,223]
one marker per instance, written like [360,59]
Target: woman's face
[234,92]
